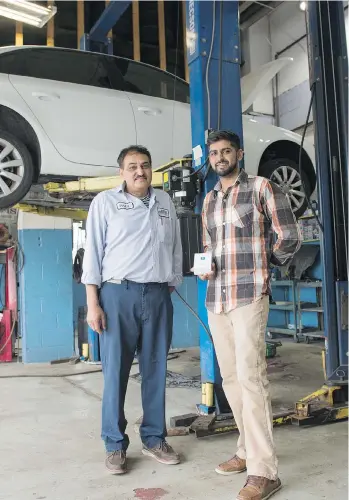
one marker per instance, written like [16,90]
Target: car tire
[18,187]
[285,173]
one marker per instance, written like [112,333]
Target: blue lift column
[328,56]
[213,47]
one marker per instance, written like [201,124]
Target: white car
[66,114]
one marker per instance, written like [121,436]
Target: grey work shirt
[127,240]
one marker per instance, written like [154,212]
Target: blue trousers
[139,318]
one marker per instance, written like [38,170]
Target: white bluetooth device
[202,263]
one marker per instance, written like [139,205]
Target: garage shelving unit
[298,307]
[310,307]
[294,309]
[286,306]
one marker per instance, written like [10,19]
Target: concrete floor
[50,446]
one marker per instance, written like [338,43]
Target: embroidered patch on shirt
[163,212]
[125,206]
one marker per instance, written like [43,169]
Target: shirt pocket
[242,216]
[164,227]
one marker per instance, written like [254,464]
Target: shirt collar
[242,179]
[122,189]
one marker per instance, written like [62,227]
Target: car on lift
[66,114]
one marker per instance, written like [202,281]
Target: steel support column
[329,81]
[215,100]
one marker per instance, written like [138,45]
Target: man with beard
[132,263]
[241,216]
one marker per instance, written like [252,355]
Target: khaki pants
[240,347]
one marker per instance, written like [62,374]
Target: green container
[270,350]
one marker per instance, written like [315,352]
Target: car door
[71,96]
[151,93]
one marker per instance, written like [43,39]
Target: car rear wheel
[285,173]
[16,170]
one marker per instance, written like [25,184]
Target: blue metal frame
[224,54]
[329,78]
[98,33]
[107,20]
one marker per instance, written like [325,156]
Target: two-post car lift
[215,99]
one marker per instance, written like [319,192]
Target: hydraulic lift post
[215,101]
[328,61]
[329,82]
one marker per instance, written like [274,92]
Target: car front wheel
[16,170]
[285,173]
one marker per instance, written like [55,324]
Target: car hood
[256,81]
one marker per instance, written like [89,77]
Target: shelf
[310,284]
[281,283]
[314,309]
[310,242]
[281,329]
[283,306]
[312,332]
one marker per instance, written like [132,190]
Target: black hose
[196,315]
[77,266]
[300,160]
[220,70]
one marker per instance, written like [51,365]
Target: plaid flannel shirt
[239,228]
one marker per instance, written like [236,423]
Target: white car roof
[251,84]
[12,48]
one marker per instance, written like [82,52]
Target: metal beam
[50,34]
[135,29]
[19,33]
[94,184]
[53,212]
[107,20]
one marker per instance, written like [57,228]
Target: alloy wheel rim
[290,182]
[11,168]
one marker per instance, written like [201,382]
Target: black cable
[196,171]
[220,70]
[196,315]
[300,159]
[19,254]
[206,173]
[77,265]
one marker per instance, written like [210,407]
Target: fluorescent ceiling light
[27,12]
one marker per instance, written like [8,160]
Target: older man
[132,263]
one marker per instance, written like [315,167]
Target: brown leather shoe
[116,462]
[259,488]
[163,453]
[233,466]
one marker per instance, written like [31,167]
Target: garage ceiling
[66,33]
[252,12]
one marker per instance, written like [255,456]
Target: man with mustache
[241,216]
[132,263]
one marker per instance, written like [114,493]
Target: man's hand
[96,318]
[172,289]
[208,276]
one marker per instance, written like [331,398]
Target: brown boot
[163,453]
[233,466]
[116,462]
[259,488]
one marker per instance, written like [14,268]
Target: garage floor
[50,446]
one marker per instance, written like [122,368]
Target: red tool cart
[9,307]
